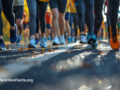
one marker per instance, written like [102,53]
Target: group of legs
[89,12]
[88,9]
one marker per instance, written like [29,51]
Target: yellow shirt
[68,6]
[44,0]
[72,7]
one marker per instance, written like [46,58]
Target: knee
[18,22]
[54,15]
[61,17]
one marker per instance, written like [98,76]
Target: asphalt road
[65,67]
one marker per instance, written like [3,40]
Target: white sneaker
[62,39]
[83,39]
[55,41]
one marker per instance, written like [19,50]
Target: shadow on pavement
[48,76]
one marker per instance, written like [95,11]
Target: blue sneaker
[69,39]
[92,40]
[2,45]
[19,40]
[49,38]
[37,41]
[43,43]
[13,35]
[56,41]
[32,43]
[62,39]
[83,39]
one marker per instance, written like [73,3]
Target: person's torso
[72,7]
[68,6]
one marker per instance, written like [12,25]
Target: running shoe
[13,35]
[69,39]
[49,38]
[32,43]
[83,38]
[37,40]
[92,40]
[2,45]
[56,41]
[43,43]
[114,41]
[62,39]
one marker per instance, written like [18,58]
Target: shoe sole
[83,42]
[31,46]
[92,43]
[54,43]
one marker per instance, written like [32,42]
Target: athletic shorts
[18,11]
[67,16]
[60,4]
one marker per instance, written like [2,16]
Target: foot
[92,40]
[56,41]
[43,43]
[13,35]
[32,43]
[114,41]
[2,45]
[83,38]
[62,39]
[37,41]
[69,39]
[49,38]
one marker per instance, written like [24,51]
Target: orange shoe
[114,41]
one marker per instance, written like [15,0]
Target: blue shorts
[67,16]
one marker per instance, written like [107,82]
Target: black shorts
[18,11]
[60,4]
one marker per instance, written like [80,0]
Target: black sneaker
[13,35]
[2,45]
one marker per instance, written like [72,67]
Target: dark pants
[42,6]
[113,14]
[7,7]
[98,5]
[85,13]
[32,14]
[74,21]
